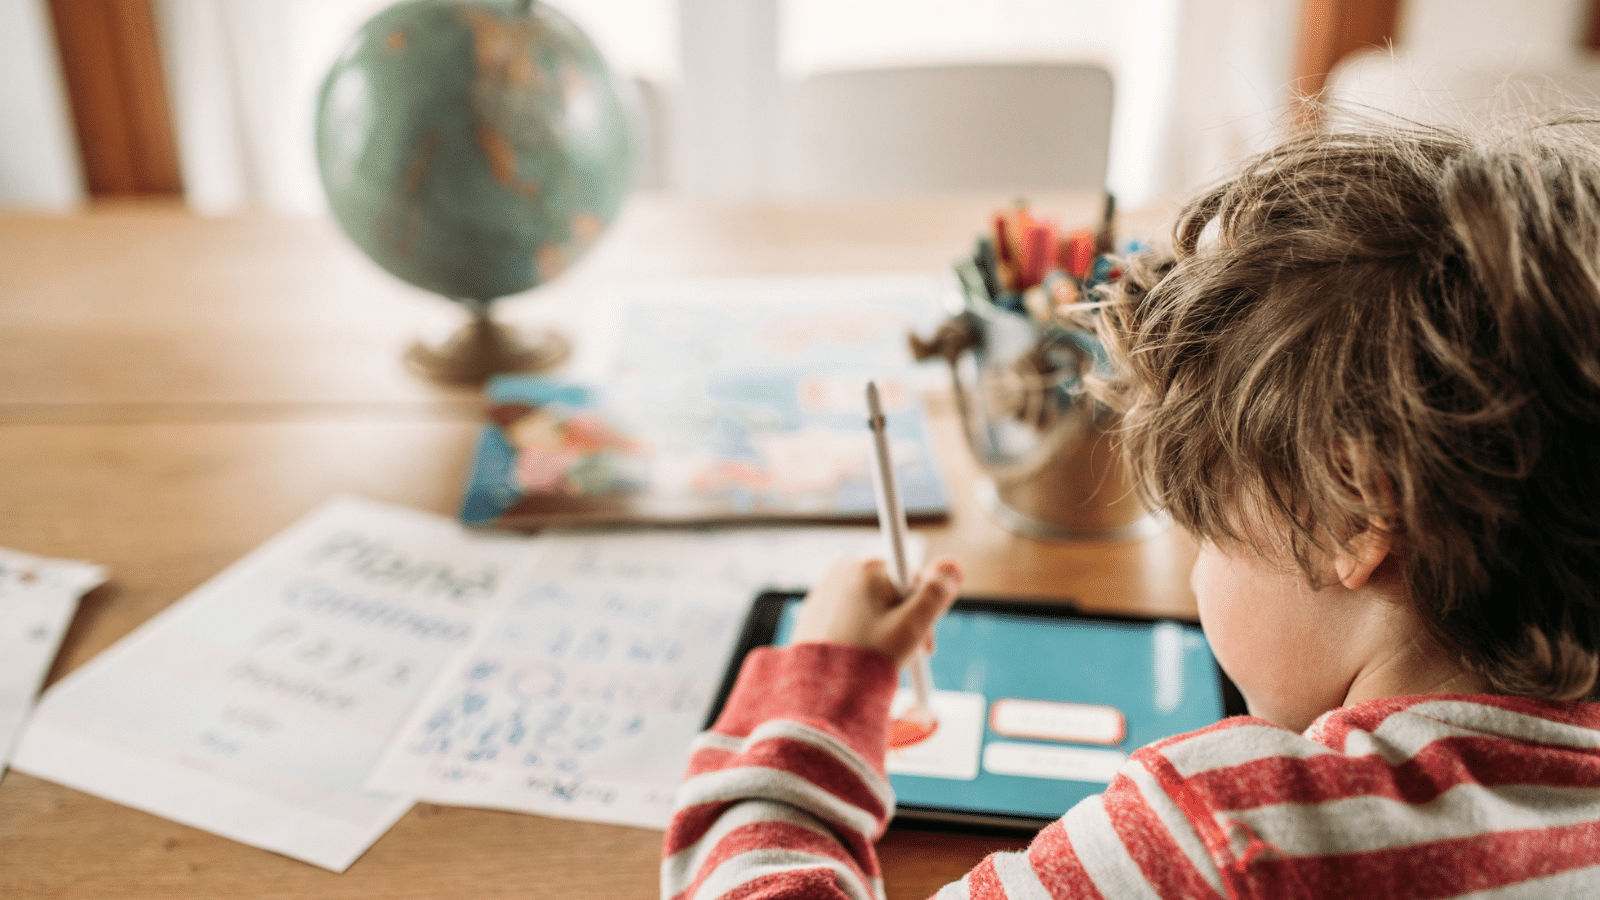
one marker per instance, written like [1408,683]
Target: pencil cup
[1045,447]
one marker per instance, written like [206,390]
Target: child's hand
[856,604]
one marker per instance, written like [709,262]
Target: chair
[1445,94]
[949,128]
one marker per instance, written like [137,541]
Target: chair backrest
[1436,93]
[950,128]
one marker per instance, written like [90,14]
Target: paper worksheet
[582,693]
[37,599]
[255,706]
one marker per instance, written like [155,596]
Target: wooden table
[174,390]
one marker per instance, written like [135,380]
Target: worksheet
[255,706]
[37,599]
[583,691]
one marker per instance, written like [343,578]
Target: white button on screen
[1061,763]
[1042,720]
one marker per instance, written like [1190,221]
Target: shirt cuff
[841,689]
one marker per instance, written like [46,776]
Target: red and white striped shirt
[1423,796]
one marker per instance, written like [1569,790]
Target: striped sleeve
[786,793]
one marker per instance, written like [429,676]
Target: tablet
[1035,705]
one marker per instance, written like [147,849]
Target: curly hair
[1392,324]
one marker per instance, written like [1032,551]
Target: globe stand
[484,347]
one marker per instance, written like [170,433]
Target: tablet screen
[1036,705]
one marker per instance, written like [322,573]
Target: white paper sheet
[255,706]
[37,599]
[582,693]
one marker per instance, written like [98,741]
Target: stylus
[892,519]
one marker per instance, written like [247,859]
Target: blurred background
[211,101]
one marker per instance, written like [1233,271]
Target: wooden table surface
[174,390]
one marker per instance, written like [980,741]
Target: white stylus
[892,519]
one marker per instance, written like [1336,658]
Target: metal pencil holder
[1044,445]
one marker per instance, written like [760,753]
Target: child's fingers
[921,609]
[857,604]
[847,605]
[877,583]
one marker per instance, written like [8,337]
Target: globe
[475,149]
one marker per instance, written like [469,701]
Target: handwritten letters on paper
[582,693]
[255,706]
[564,674]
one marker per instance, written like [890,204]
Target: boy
[1367,379]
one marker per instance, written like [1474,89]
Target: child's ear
[1355,563]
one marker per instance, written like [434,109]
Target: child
[1367,380]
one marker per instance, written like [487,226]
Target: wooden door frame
[111,65]
[1330,30]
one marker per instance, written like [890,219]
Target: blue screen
[1160,675]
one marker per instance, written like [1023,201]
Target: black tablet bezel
[762,622]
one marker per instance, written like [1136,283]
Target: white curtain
[1198,83]
[38,154]
[244,76]
[1226,93]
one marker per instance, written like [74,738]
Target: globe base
[483,348]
